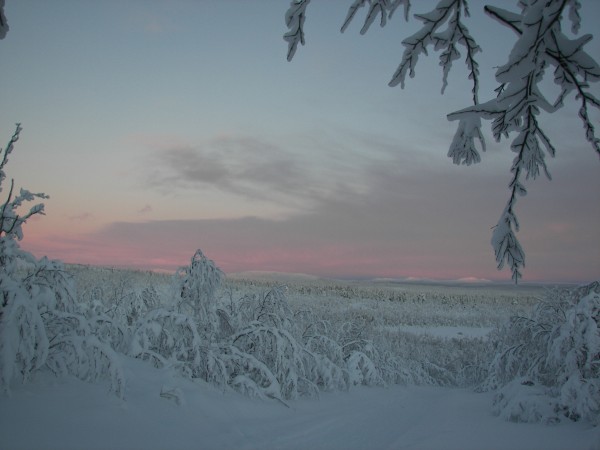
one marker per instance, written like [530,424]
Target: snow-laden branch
[3,24]
[519,101]
[447,13]
[574,68]
[8,150]
[294,19]
[384,8]
[10,220]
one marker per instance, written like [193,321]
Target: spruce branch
[3,24]
[570,60]
[450,13]
[540,45]
[518,103]
[507,247]
[294,20]
[383,8]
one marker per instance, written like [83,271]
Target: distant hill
[271,276]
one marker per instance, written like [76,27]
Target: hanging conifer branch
[518,102]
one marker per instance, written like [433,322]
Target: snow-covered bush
[113,301]
[40,325]
[266,329]
[122,295]
[270,307]
[244,344]
[377,314]
[23,341]
[273,342]
[166,337]
[362,370]
[346,346]
[278,350]
[182,331]
[196,287]
[250,376]
[547,366]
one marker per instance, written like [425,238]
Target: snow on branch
[519,103]
[546,365]
[540,45]
[574,68]
[39,322]
[294,19]
[3,24]
[9,148]
[506,245]
[449,13]
[384,8]
[574,7]
[463,149]
[10,220]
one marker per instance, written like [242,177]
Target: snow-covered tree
[541,48]
[40,325]
[195,293]
[11,220]
[547,365]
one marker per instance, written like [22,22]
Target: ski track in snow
[51,413]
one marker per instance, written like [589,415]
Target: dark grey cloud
[243,166]
[301,174]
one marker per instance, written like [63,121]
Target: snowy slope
[68,414]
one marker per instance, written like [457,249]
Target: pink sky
[382,234]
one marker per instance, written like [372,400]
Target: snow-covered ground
[49,413]
[445,332]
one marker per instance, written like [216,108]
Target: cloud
[145,210]
[376,213]
[402,225]
[242,166]
[426,224]
[298,175]
[81,217]
[432,223]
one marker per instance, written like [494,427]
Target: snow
[444,332]
[166,409]
[66,413]
[271,276]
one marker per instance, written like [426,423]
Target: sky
[161,127]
